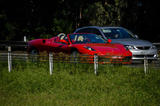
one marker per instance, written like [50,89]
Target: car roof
[98,27]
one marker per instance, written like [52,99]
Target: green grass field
[31,84]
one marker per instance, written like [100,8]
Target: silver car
[140,48]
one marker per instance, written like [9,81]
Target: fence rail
[21,45]
[51,59]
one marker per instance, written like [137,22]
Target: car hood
[100,45]
[132,41]
[114,49]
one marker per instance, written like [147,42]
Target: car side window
[85,30]
[81,31]
[96,31]
[89,30]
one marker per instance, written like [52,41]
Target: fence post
[50,62]
[25,39]
[145,65]
[95,64]
[9,59]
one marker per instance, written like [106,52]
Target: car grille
[143,47]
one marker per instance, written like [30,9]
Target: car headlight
[153,47]
[129,47]
[89,48]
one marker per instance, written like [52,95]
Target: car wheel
[74,57]
[34,55]
[150,61]
[34,52]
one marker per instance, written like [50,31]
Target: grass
[76,84]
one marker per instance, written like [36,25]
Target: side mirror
[64,41]
[136,36]
[109,40]
[43,41]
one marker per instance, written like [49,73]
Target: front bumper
[115,59]
[142,54]
[106,59]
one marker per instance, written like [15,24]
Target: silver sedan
[140,48]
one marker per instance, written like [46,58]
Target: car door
[55,46]
[64,46]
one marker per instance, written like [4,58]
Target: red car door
[57,46]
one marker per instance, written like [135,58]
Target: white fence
[51,59]
[10,57]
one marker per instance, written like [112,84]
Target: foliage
[96,14]
[9,30]
[33,18]
[76,84]
[62,26]
[103,14]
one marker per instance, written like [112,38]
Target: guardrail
[157,45]
[13,43]
[21,44]
[16,45]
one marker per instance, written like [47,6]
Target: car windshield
[85,38]
[117,33]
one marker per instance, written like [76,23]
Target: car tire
[33,55]
[34,51]
[150,61]
[74,57]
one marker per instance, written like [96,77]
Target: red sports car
[82,43]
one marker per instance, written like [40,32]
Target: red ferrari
[82,43]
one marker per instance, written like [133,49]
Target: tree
[61,26]
[95,14]
[103,14]
[34,18]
